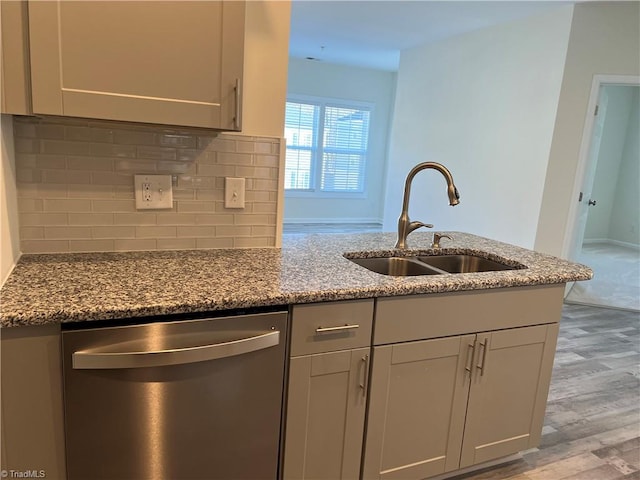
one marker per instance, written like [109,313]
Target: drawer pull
[336,329]
[365,369]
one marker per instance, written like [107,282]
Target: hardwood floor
[592,422]
[303,228]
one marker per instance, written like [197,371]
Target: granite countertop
[308,268]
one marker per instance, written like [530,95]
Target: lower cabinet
[327,394]
[326,412]
[440,405]
[456,380]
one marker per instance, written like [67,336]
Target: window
[326,146]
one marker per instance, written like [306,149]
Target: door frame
[572,228]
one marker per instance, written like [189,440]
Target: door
[173,62]
[588,156]
[584,199]
[417,408]
[508,393]
[325,415]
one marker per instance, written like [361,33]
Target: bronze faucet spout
[405,225]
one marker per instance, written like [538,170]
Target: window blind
[326,146]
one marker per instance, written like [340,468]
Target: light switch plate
[153,192]
[234,192]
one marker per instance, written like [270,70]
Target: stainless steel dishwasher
[188,399]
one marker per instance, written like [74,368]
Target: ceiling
[371,33]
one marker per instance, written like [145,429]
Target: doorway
[607,232]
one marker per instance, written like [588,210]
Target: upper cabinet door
[175,63]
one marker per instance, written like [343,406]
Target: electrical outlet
[234,192]
[153,192]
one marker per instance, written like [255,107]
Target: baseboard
[492,463]
[610,241]
[323,220]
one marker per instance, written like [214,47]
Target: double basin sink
[432,264]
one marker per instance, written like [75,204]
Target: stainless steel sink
[431,265]
[396,266]
[465,263]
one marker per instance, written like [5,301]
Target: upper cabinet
[14,81]
[173,62]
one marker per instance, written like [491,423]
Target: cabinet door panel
[417,404]
[508,392]
[157,62]
[325,415]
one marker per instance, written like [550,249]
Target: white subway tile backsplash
[109,150]
[61,233]
[91,218]
[113,232]
[75,186]
[126,244]
[50,131]
[90,163]
[104,245]
[44,246]
[90,191]
[197,231]
[233,231]
[174,140]
[156,231]
[66,205]
[66,176]
[138,218]
[31,233]
[216,243]
[176,243]
[30,205]
[176,219]
[116,205]
[51,161]
[66,147]
[213,219]
[157,153]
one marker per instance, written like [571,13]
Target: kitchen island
[60,288]
[351,331]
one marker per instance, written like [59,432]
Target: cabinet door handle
[470,351]
[365,370]
[336,329]
[482,365]
[236,118]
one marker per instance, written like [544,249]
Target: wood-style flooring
[592,422]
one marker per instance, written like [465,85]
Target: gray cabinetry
[175,63]
[327,391]
[442,404]
[508,392]
[416,414]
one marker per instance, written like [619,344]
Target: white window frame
[316,162]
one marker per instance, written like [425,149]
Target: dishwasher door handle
[92,359]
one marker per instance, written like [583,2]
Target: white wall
[612,145]
[9,238]
[348,83]
[484,105]
[604,40]
[625,218]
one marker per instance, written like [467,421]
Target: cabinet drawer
[326,327]
[417,317]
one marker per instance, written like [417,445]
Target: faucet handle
[415,225]
[436,239]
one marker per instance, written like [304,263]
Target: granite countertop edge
[64,288]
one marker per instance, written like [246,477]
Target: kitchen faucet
[406,226]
